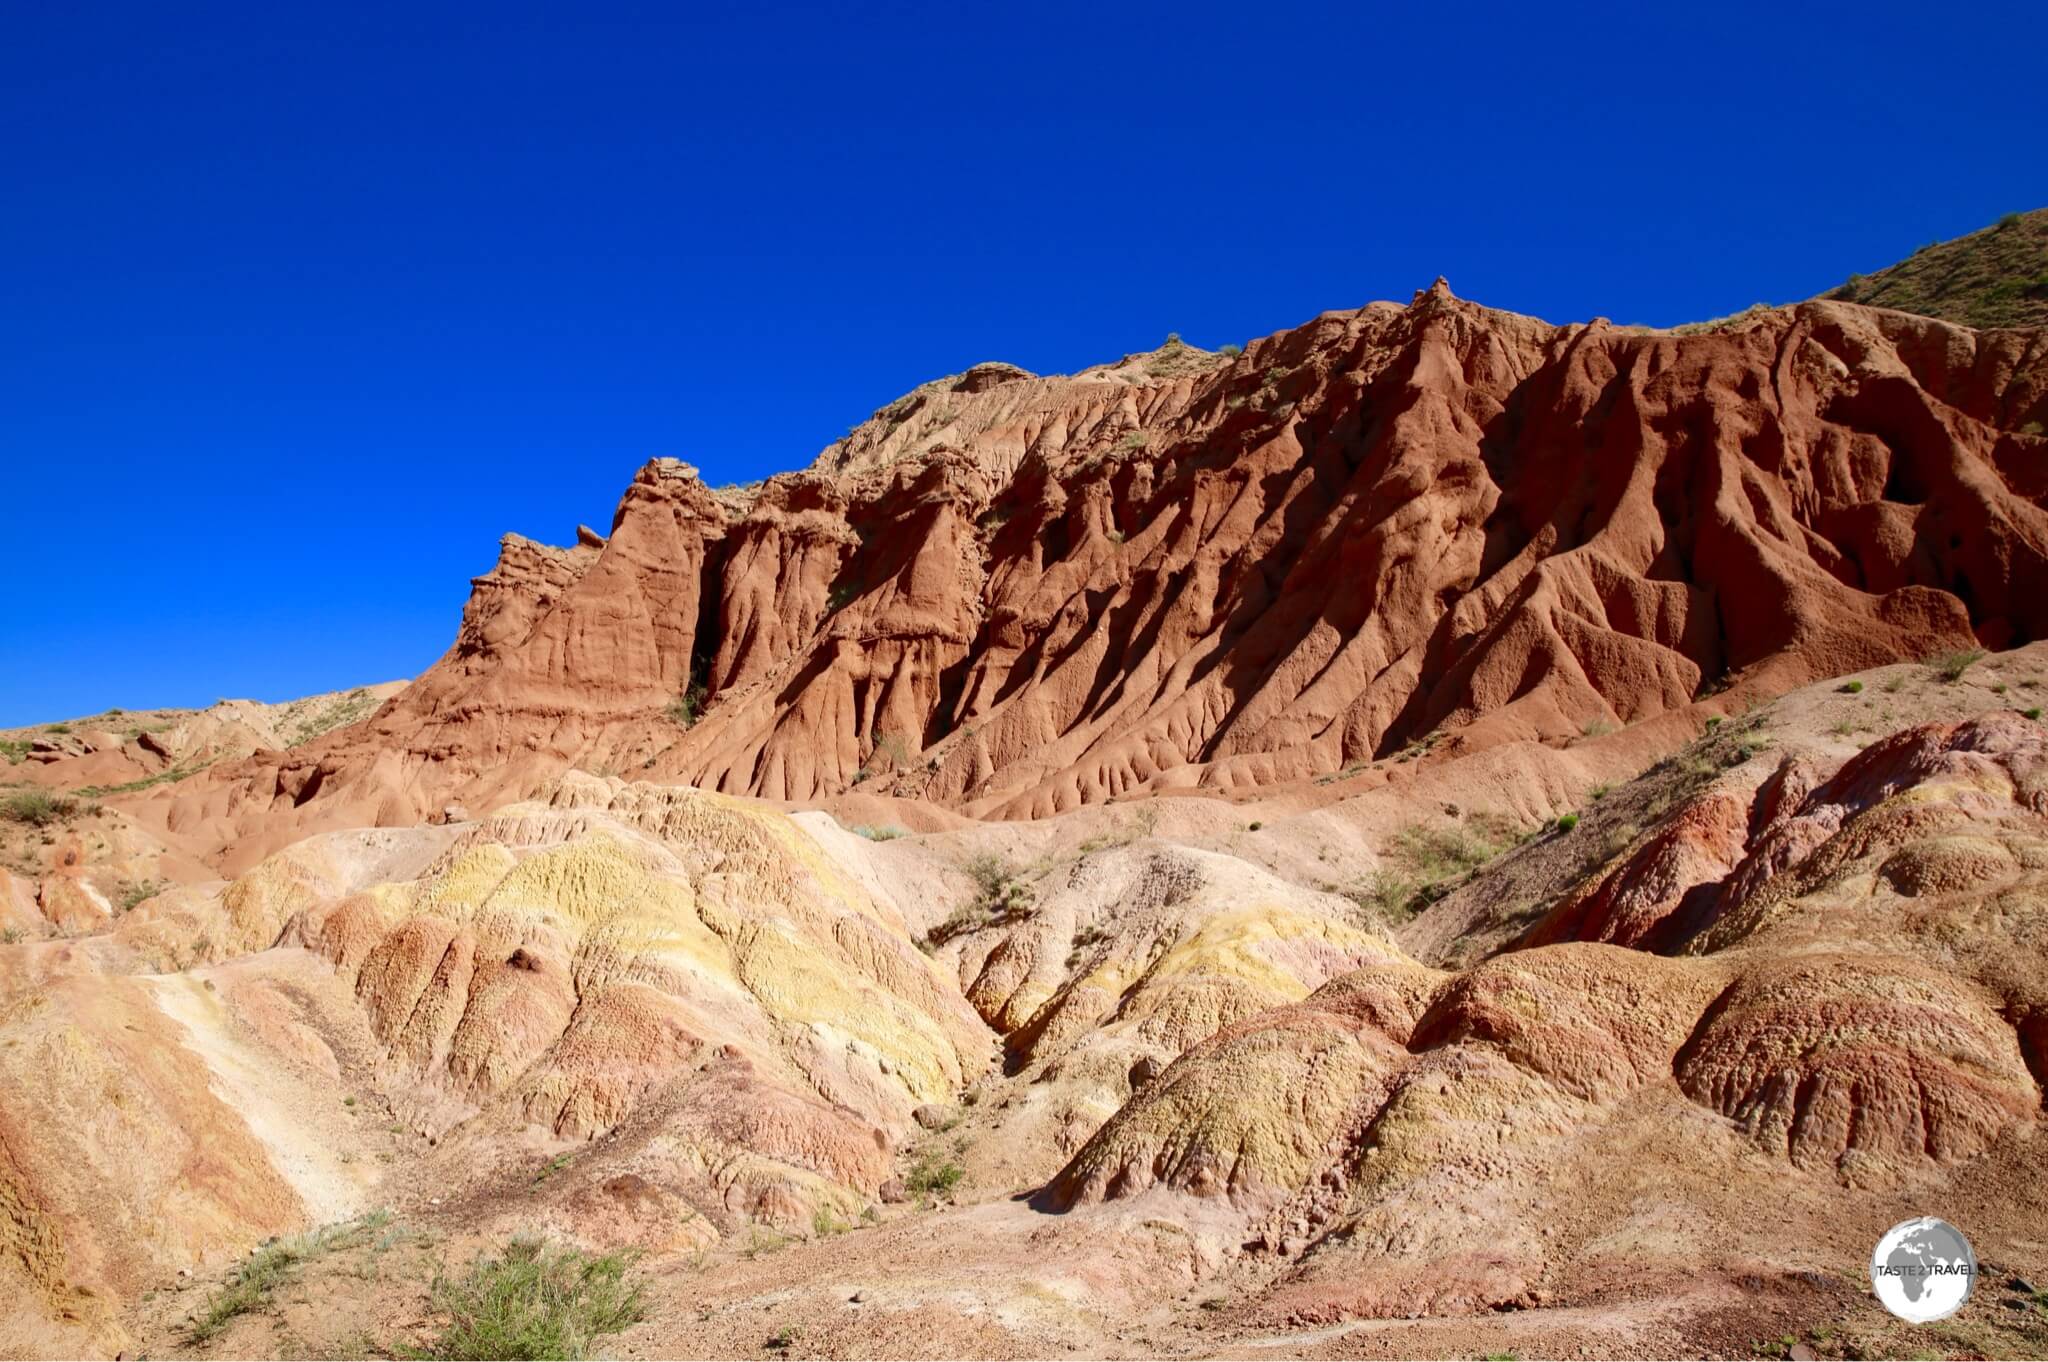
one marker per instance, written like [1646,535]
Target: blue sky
[301,307]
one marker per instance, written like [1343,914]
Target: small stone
[1801,1353]
[893,1192]
[1144,1071]
[929,1116]
[858,1297]
[2022,1284]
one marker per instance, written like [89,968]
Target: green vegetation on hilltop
[1994,277]
[337,712]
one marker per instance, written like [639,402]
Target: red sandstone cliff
[1015,594]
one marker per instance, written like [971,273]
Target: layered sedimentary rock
[1017,594]
[1856,1005]
[686,982]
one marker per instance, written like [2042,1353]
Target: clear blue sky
[302,306]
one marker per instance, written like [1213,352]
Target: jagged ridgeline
[1015,595]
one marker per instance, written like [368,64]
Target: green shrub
[1852,688]
[2032,712]
[37,808]
[534,1302]
[1230,351]
[1253,827]
[933,1175]
[1951,666]
[887,833]
[1567,821]
[688,707]
[1000,893]
[2009,220]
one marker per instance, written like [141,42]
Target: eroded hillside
[1438,833]
[1642,1082]
[1013,596]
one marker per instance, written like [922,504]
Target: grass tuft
[685,709]
[271,1266]
[37,808]
[1422,864]
[1001,894]
[532,1301]
[933,1175]
[1951,666]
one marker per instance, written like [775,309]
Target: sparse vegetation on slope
[170,777]
[251,1287]
[685,708]
[37,808]
[1994,277]
[1422,864]
[338,712]
[533,1301]
[1000,891]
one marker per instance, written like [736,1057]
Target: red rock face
[1016,595]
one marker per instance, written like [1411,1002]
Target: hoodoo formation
[1437,833]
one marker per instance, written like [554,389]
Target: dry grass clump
[1424,863]
[533,1301]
